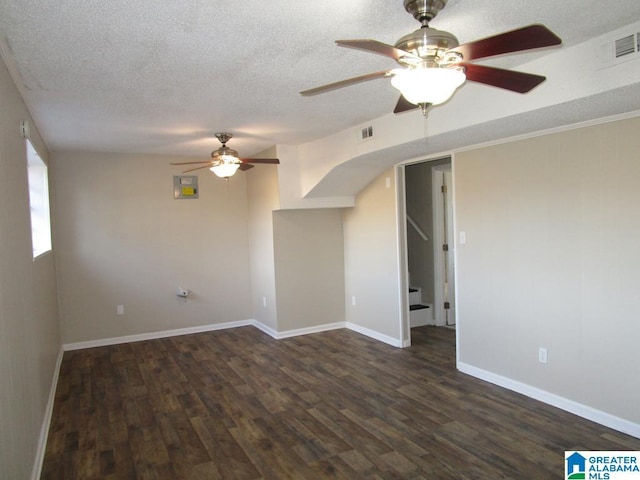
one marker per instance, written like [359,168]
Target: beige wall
[29,327]
[263,199]
[297,264]
[309,267]
[123,240]
[551,260]
[372,259]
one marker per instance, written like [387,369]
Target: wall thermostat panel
[185,186]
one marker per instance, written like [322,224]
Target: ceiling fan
[225,161]
[434,64]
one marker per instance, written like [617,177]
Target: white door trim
[438,241]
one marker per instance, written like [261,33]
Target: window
[39,201]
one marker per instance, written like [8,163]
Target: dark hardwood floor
[237,404]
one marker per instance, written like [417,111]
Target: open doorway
[429,253]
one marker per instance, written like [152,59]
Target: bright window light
[39,201]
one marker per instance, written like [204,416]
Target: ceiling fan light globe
[225,169]
[427,85]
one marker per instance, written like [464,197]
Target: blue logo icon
[576,466]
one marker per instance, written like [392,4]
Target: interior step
[420,314]
[415,295]
[418,307]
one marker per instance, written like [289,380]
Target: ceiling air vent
[625,46]
[619,48]
[366,132]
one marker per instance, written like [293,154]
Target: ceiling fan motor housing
[224,153]
[429,44]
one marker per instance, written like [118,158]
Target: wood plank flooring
[237,404]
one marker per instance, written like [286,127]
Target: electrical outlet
[120,310]
[542,355]
[353,300]
[264,301]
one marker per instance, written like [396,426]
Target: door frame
[438,207]
[401,217]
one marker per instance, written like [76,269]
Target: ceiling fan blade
[373,46]
[525,38]
[508,79]
[403,105]
[198,168]
[190,163]
[245,166]
[260,160]
[344,83]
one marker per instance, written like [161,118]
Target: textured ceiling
[162,77]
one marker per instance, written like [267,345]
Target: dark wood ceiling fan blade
[245,166]
[209,165]
[374,46]
[273,161]
[508,79]
[525,38]
[345,83]
[403,105]
[190,163]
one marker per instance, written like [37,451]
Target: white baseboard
[325,328]
[395,342]
[46,421]
[223,326]
[306,331]
[264,328]
[155,335]
[584,411]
